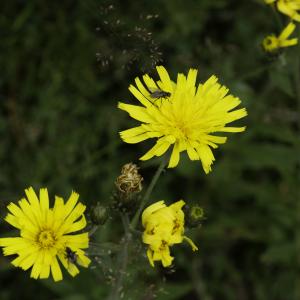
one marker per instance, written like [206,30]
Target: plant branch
[148,192]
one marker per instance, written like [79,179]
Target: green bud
[99,214]
[194,215]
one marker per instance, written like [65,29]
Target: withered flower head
[130,181]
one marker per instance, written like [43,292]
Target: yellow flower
[164,227]
[46,234]
[186,117]
[272,43]
[290,8]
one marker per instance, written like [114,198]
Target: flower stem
[296,81]
[93,230]
[148,192]
[123,261]
[255,72]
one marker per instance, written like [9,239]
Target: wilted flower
[46,234]
[129,183]
[130,180]
[290,8]
[273,43]
[182,116]
[164,227]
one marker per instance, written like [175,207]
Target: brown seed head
[130,181]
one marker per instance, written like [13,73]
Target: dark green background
[65,65]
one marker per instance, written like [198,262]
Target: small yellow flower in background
[186,117]
[290,8]
[272,43]
[46,234]
[164,227]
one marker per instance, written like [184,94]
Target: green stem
[296,82]
[197,280]
[93,230]
[123,261]
[148,192]
[255,72]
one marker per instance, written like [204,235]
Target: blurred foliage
[66,64]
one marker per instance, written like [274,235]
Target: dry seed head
[130,181]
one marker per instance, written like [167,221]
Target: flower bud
[194,215]
[99,214]
[129,183]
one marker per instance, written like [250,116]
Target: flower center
[46,239]
[163,245]
[180,130]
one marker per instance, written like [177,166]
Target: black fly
[71,256]
[157,94]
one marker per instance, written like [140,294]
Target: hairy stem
[296,83]
[148,192]
[93,230]
[122,262]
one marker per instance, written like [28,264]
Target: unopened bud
[99,214]
[194,215]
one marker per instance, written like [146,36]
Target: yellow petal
[288,43]
[136,112]
[194,247]
[166,258]
[83,260]
[71,203]
[233,129]
[150,257]
[76,226]
[141,88]
[76,213]
[139,96]
[287,31]
[77,240]
[192,153]
[55,270]
[191,79]
[44,201]
[174,156]
[160,147]
[206,157]
[165,78]
[37,267]
[45,272]
[151,209]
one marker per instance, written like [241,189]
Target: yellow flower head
[185,116]
[164,227]
[273,43]
[46,234]
[290,8]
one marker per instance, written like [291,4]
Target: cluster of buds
[128,185]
